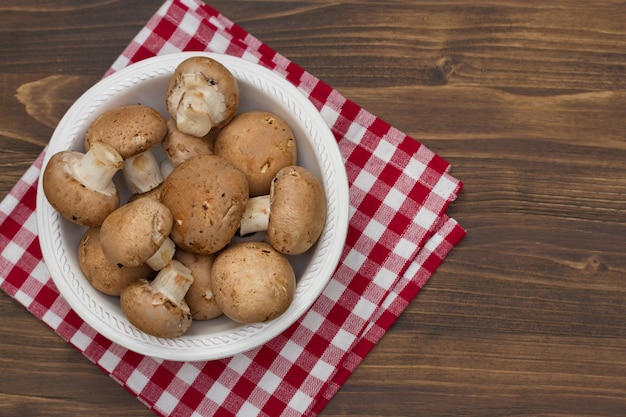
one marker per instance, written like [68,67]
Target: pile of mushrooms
[209,230]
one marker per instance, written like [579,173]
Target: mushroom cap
[207,196]
[202,71]
[104,276]
[152,312]
[130,129]
[259,144]
[131,234]
[199,297]
[71,198]
[297,210]
[179,146]
[252,282]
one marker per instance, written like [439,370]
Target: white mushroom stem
[256,215]
[193,115]
[166,166]
[200,105]
[162,256]
[96,168]
[173,281]
[142,172]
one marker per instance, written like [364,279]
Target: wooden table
[527,99]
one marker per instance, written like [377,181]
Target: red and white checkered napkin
[398,235]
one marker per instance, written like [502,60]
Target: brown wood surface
[527,99]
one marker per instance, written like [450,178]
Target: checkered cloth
[398,235]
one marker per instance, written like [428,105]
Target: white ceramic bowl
[146,82]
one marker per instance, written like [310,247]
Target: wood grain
[527,99]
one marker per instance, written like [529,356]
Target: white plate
[260,89]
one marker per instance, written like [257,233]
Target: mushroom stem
[196,109]
[193,115]
[173,281]
[166,166]
[142,173]
[256,215]
[162,256]
[200,105]
[96,168]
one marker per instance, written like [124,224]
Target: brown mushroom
[133,130]
[130,129]
[80,186]
[207,197]
[293,214]
[137,233]
[158,308]
[202,94]
[179,146]
[104,276]
[252,282]
[199,297]
[259,144]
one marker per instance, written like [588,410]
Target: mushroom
[207,197]
[133,130]
[252,282]
[80,185]
[199,297]
[202,94]
[158,308]
[137,233]
[259,144]
[130,129]
[293,214]
[180,146]
[104,276]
